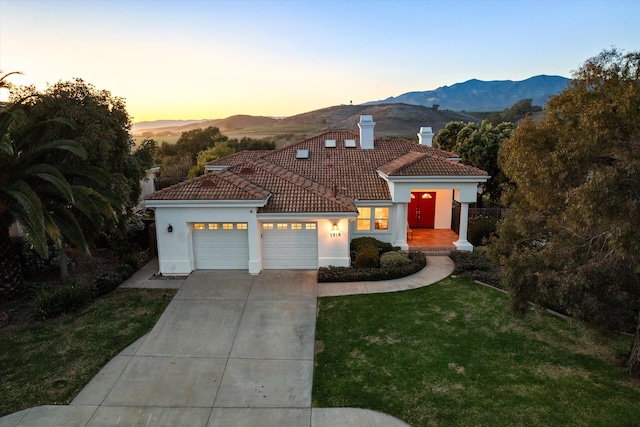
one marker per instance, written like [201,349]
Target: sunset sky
[213,59]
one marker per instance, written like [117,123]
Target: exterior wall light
[335,231]
[170,228]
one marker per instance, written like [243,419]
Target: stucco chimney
[366,126]
[425,136]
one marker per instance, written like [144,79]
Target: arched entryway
[422,209]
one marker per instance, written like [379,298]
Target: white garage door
[221,246]
[290,245]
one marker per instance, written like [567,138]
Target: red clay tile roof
[220,185]
[292,193]
[308,185]
[238,158]
[423,164]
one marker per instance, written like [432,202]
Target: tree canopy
[478,145]
[571,240]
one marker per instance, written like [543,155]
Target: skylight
[330,143]
[302,154]
[349,143]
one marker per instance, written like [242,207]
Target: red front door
[422,210]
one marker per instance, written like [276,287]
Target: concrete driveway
[231,349]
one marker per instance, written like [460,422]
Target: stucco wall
[175,249]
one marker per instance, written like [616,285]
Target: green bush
[349,274]
[394,259]
[477,266]
[361,242]
[50,303]
[367,257]
[481,228]
[109,281]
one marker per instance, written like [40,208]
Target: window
[296,226]
[378,217]
[364,219]
[267,226]
[241,226]
[227,226]
[282,226]
[213,226]
[310,226]
[382,218]
[198,226]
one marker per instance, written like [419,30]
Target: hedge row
[477,266]
[50,303]
[348,274]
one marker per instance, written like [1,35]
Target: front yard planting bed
[452,354]
[350,274]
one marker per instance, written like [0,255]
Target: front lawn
[451,354]
[50,362]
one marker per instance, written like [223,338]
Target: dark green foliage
[367,257]
[477,266]
[515,113]
[394,259]
[348,274]
[110,281]
[50,303]
[481,228]
[360,242]
[191,142]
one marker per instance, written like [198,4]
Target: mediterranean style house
[299,207]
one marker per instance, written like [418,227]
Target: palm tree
[35,193]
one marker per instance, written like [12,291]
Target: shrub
[361,242]
[367,257]
[481,228]
[50,303]
[348,274]
[477,266]
[394,259]
[109,281]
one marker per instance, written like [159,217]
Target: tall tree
[101,126]
[193,141]
[572,237]
[36,193]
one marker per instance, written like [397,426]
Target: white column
[462,244]
[400,228]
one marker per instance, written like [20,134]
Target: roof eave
[257,203]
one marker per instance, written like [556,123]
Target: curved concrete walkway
[231,349]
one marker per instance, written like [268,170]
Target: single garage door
[219,246]
[290,245]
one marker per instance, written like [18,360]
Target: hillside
[391,119]
[477,95]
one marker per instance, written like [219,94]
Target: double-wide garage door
[290,245]
[219,246]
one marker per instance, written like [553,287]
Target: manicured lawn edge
[452,354]
[50,362]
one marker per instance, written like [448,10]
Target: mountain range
[484,96]
[399,116]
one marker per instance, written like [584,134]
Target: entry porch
[431,240]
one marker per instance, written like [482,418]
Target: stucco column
[400,229]
[462,244]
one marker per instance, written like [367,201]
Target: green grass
[50,362]
[452,355]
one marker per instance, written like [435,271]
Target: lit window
[382,218]
[364,219]
[198,226]
[213,226]
[267,226]
[372,218]
[242,226]
[296,226]
[311,226]
[227,226]
[282,227]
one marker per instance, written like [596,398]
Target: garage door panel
[290,246]
[221,249]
